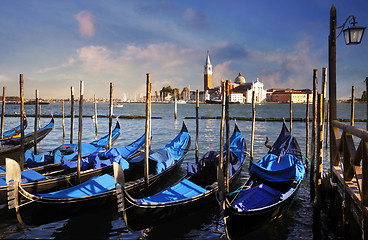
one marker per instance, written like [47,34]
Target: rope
[68,181]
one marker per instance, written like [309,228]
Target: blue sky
[55,44]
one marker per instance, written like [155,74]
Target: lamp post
[353,35]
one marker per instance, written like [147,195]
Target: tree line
[174,92]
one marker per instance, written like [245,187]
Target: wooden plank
[365,173]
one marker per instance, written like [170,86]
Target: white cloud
[86,23]
[221,72]
[288,68]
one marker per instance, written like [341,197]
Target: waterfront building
[236,97]
[286,95]
[240,86]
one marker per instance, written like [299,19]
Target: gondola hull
[11,149]
[40,212]
[270,190]
[239,224]
[139,215]
[44,208]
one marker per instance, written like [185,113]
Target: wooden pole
[253,123]
[71,114]
[332,79]
[63,120]
[39,116]
[148,130]
[227,102]
[96,129]
[366,89]
[319,167]
[313,143]
[327,122]
[3,113]
[352,105]
[81,88]
[175,109]
[220,167]
[111,112]
[307,130]
[291,113]
[197,125]
[35,123]
[21,157]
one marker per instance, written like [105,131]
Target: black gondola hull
[238,224]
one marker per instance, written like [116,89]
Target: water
[105,224]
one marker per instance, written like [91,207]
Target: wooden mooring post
[71,114]
[63,117]
[291,114]
[253,123]
[220,166]
[96,128]
[21,153]
[3,113]
[227,124]
[197,126]
[352,105]
[319,165]
[307,131]
[80,127]
[175,109]
[111,112]
[366,90]
[314,132]
[35,123]
[147,132]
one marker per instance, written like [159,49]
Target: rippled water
[103,224]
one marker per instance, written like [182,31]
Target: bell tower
[208,73]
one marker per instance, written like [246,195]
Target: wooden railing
[348,163]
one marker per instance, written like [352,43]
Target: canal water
[205,224]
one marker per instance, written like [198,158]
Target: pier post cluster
[348,171]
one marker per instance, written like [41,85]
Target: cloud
[221,72]
[288,68]
[194,20]
[70,62]
[86,23]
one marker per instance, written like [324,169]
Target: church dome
[240,79]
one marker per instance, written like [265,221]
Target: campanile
[207,73]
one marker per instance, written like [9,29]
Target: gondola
[197,190]
[14,132]
[36,209]
[36,182]
[267,194]
[10,148]
[52,161]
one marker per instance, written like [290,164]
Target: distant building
[236,97]
[286,95]
[247,88]
[208,73]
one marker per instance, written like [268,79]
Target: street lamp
[353,35]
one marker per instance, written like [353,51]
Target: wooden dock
[349,168]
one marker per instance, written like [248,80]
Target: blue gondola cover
[279,169]
[256,197]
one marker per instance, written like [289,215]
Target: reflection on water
[106,223]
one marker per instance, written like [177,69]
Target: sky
[56,44]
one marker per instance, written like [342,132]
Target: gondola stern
[120,191]
[13,179]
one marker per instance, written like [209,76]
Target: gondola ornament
[13,179]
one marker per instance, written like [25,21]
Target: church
[240,91]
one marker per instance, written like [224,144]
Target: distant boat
[181,102]
[119,105]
